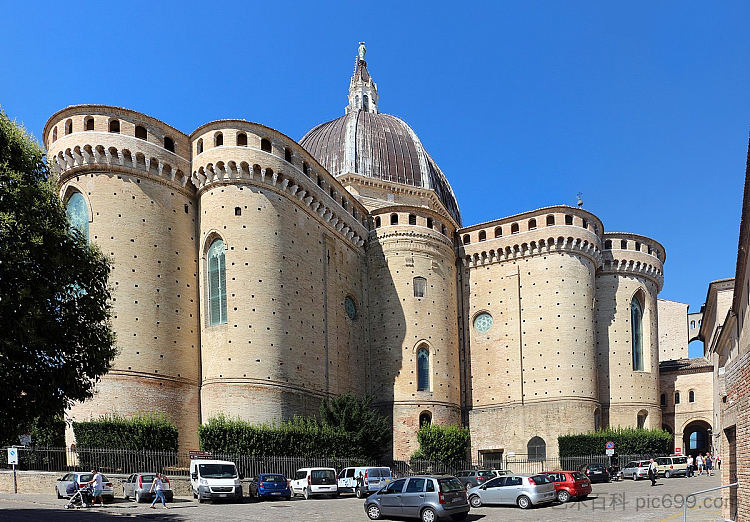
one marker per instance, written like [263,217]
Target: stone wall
[673,329]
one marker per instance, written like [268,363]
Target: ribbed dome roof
[376,145]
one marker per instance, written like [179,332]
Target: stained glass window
[217,284]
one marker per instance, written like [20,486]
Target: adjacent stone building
[255,276]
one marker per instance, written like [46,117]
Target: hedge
[447,444]
[299,437]
[146,431]
[628,441]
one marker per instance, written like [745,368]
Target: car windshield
[485,474]
[273,478]
[450,484]
[577,475]
[217,470]
[541,479]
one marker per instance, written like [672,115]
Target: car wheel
[428,515]
[635,476]
[667,474]
[200,499]
[138,498]
[523,502]
[358,493]
[373,511]
[563,496]
[475,501]
[306,494]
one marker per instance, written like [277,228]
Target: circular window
[351,308]
[483,322]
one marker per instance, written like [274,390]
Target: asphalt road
[628,501]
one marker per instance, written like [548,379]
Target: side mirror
[242,476]
[194,476]
[483,486]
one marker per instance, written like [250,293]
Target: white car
[309,482]
[215,479]
[108,492]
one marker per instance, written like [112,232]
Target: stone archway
[696,437]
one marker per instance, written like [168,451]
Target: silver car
[108,492]
[138,487]
[524,491]
[427,498]
[636,469]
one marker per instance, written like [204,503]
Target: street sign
[678,451]
[610,451]
[13,456]
[610,445]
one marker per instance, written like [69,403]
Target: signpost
[610,445]
[13,459]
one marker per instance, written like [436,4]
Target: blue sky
[642,106]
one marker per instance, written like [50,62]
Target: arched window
[691,396]
[394,219]
[140,132]
[482,235]
[425,418]
[442,229]
[692,324]
[377,221]
[69,127]
[217,285]
[677,397]
[514,228]
[199,146]
[429,222]
[241,139]
[320,181]
[608,244]
[365,102]
[498,231]
[169,143]
[305,168]
[78,214]
[412,219]
[420,286]
[467,239]
[288,154]
[423,369]
[265,145]
[568,220]
[642,415]
[532,224]
[218,139]
[54,134]
[636,333]
[114,126]
[89,124]
[536,449]
[663,399]
[550,220]
[623,244]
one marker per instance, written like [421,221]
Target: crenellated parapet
[239,152]
[633,254]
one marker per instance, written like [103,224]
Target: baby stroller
[80,496]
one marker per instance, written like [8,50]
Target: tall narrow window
[78,214]
[568,219]
[532,224]
[89,124]
[423,369]
[514,228]
[608,244]
[114,126]
[242,139]
[68,126]
[536,449]
[482,235]
[366,103]
[199,146]
[140,132]
[218,139]
[641,419]
[394,219]
[663,399]
[265,145]
[677,397]
[288,154]
[412,219]
[217,285]
[305,168]
[691,396]
[377,221]
[636,326]
[169,143]
[54,134]
[425,418]
[498,231]
[429,222]
[623,244]
[420,286]
[467,239]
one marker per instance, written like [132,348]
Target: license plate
[222,494]
[276,493]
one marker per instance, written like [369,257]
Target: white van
[212,479]
[315,481]
[364,480]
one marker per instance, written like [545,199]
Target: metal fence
[177,463]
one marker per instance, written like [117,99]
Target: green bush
[446,444]
[297,438]
[369,431]
[628,441]
[146,431]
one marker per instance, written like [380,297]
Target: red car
[569,484]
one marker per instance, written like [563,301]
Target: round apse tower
[124,178]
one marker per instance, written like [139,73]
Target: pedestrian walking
[709,464]
[157,488]
[652,471]
[689,472]
[699,463]
[718,463]
[98,483]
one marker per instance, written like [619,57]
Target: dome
[375,145]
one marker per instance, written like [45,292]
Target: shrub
[369,431]
[446,444]
[144,431]
[628,441]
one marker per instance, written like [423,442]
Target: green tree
[446,444]
[56,336]
[367,429]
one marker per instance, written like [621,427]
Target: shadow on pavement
[24,515]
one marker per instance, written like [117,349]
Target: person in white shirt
[98,483]
[699,463]
[689,472]
[157,486]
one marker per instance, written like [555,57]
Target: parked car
[595,472]
[270,485]
[636,469]
[474,477]
[363,481]
[569,484]
[501,472]
[427,497]
[215,479]
[524,491]
[108,491]
[138,485]
[309,482]
[672,466]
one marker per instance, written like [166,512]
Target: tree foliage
[54,299]
[369,431]
[446,444]
[628,441]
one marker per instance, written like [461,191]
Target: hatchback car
[108,492]
[138,487]
[474,477]
[673,466]
[595,472]
[315,481]
[636,469]
[270,485]
[524,491]
[569,484]
[426,497]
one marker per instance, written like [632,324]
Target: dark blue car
[270,485]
